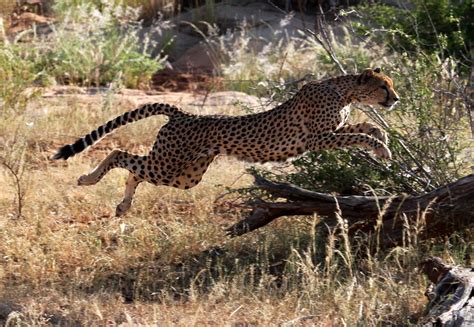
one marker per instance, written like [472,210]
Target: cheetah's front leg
[341,140]
[366,128]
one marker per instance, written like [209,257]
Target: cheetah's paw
[379,134]
[122,208]
[86,180]
[383,153]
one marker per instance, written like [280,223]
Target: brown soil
[23,21]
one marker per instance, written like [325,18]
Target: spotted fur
[315,118]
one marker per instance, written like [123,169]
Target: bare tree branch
[445,210]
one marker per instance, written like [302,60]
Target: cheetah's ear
[378,70]
[365,76]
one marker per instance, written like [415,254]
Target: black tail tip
[63,153]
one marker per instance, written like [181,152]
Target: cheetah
[314,118]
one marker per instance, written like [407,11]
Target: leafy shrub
[16,75]
[433,26]
[92,47]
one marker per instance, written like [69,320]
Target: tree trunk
[451,295]
[440,212]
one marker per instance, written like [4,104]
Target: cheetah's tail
[142,112]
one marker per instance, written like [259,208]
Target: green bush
[434,26]
[16,75]
[90,47]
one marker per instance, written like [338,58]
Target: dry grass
[67,260]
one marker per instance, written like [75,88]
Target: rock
[197,59]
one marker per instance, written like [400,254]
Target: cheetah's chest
[344,115]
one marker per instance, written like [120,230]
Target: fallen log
[440,212]
[451,296]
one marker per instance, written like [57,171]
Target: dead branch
[440,212]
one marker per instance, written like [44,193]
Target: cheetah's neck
[344,86]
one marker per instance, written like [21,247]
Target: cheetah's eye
[384,87]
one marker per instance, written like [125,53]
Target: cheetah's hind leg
[131,186]
[135,164]
[188,178]
[98,172]
[116,158]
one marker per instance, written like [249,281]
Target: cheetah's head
[374,87]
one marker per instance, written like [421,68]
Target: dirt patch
[23,21]
[202,102]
